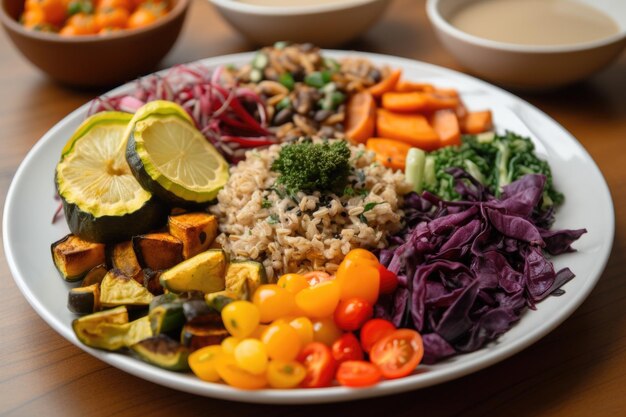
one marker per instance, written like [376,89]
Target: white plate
[28,234]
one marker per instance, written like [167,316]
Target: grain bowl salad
[301,222]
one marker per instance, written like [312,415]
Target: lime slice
[102,199]
[172,158]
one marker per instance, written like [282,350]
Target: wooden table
[577,370]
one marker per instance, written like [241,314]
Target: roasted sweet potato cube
[74,257]
[158,250]
[196,230]
[122,256]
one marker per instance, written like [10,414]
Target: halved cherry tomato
[398,353]
[281,374]
[203,362]
[347,348]
[352,313]
[319,363]
[282,341]
[315,277]
[388,280]
[233,375]
[374,330]
[358,374]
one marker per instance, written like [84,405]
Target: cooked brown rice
[307,232]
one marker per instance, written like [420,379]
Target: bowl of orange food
[93,43]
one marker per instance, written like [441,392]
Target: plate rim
[320,395]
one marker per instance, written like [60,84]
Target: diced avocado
[203,272]
[163,352]
[117,289]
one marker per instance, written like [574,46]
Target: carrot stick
[405,86]
[360,117]
[405,102]
[389,152]
[387,84]
[446,124]
[417,102]
[413,129]
[477,122]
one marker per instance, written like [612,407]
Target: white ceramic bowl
[326,24]
[528,67]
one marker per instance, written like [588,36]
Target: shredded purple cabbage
[468,269]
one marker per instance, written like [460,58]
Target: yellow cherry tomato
[293,283]
[273,302]
[233,375]
[241,318]
[363,255]
[203,362]
[358,278]
[229,344]
[304,327]
[282,374]
[326,331]
[281,341]
[250,355]
[319,300]
[258,332]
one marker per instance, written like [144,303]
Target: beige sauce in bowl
[534,22]
[290,3]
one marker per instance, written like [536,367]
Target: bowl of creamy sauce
[325,23]
[531,43]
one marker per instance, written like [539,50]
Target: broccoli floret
[307,166]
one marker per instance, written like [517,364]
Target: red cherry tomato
[352,313]
[347,348]
[374,330]
[388,280]
[398,354]
[358,374]
[319,363]
[315,277]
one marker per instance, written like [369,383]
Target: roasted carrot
[446,92]
[418,102]
[446,124]
[413,129]
[405,102]
[405,86]
[476,122]
[389,152]
[437,101]
[386,84]
[360,117]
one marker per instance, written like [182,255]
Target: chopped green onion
[256,75]
[281,44]
[283,104]
[287,80]
[318,79]
[260,61]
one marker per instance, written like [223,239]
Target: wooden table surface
[577,370]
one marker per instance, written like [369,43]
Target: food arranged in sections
[301,222]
